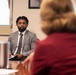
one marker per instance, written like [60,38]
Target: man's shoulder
[14,33]
[30,33]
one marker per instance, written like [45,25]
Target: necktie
[20,44]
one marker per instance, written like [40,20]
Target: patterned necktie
[20,44]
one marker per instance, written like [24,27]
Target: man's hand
[19,56]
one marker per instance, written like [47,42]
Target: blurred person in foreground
[56,55]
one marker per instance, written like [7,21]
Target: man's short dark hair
[22,17]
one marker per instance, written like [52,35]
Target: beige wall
[21,8]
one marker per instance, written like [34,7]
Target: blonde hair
[57,16]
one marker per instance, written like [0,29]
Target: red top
[56,55]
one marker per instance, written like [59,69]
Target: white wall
[21,8]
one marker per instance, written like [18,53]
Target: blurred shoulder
[43,42]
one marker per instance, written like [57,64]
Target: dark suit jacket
[28,44]
[56,55]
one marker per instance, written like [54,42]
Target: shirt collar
[22,32]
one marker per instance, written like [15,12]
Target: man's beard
[21,29]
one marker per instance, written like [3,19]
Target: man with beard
[22,42]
